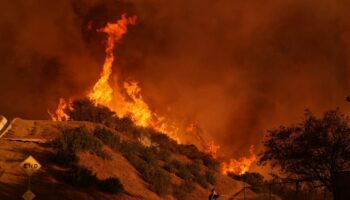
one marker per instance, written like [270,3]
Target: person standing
[213,195]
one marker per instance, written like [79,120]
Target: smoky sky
[237,67]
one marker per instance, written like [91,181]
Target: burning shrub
[181,191]
[107,137]
[252,178]
[78,139]
[164,142]
[126,125]
[111,185]
[85,110]
[191,151]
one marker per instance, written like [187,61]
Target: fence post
[244,190]
[296,189]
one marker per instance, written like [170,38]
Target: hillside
[33,137]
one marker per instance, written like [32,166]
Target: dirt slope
[29,137]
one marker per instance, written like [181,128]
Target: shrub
[164,155]
[111,185]
[252,178]
[169,167]
[149,156]
[181,191]
[65,158]
[201,180]
[184,173]
[145,169]
[210,177]
[124,125]
[210,162]
[127,148]
[85,110]
[190,150]
[80,176]
[177,164]
[164,142]
[193,168]
[107,137]
[160,182]
[78,139]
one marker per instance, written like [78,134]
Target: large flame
[60,113]
[102,91]
[240,166]
[127,101]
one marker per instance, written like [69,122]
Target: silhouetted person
[213,195]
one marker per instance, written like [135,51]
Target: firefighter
[213,195]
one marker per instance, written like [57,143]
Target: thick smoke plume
[237,67]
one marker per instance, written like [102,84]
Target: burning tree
[312,151]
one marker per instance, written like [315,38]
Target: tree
[314,150]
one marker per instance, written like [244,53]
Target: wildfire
[127,101]
[102,91]
[130,102]
[210,147]
[240,166]
[60,113]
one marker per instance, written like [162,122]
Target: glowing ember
[240,166]
[60,114]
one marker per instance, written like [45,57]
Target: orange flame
[102,91]
[210,147]
[240,166]
[128,101]
[60,113]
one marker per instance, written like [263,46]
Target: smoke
[237,67]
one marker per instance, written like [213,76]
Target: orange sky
[237,67]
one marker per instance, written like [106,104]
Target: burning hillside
[127,101]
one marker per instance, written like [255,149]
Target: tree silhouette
[314,150]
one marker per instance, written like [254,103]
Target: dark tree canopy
[314,150]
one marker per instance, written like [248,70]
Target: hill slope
[29,137]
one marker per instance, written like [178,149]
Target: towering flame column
[102,92]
